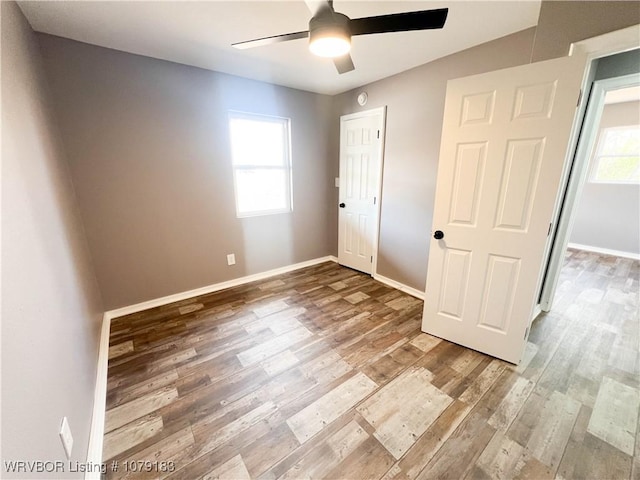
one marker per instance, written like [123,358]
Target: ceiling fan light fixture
[329,35]
[330,46]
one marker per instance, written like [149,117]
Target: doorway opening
[601,204]
[608,209]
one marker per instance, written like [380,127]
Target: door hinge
[579,98]
[374,200]
[526,333]
[371,258]
[550,227]
[378,133]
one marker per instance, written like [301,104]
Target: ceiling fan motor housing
[329,25]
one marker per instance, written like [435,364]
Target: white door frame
[575,170]
[382,111]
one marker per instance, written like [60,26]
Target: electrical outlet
[231,259]
[337,182]
[66,437]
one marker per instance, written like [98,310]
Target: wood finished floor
[324,373]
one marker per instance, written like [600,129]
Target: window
[260,152]
[617,158]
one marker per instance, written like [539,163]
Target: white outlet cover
[66,437]
[337,181]
[231,259]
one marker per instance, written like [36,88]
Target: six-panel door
[359,177]
[504,143]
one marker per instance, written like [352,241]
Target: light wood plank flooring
[324,373]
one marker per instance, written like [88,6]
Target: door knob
[438,235]
[342,205]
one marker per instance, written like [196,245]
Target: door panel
[477,108]
[469,169]
[534,101]
[455,281]
[360,166]
[504,143]
[519,183]
[498,296]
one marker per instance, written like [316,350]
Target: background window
[617,158]
[260,152]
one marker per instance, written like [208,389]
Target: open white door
[504,144]
[361,146]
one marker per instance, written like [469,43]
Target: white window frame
[598,155]
[286,167]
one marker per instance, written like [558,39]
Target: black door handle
[438,235]
[342,205]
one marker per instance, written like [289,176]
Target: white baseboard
[96,436]
[176,297]
[399,286]
[605,251]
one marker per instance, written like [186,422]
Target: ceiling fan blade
[270,40]
[317,6]
[399,22]
[344,64]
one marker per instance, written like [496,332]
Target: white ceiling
[201,33]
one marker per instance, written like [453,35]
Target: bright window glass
[617,158]
[260,151]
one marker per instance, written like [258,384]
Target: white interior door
[504,144]
[361,141]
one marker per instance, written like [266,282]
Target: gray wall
[51,307]
[149,152]
[415,105]
[618,65]
[608,215]
[562,22]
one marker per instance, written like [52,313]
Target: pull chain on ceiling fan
[330,32]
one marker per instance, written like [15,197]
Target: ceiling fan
[330,32]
